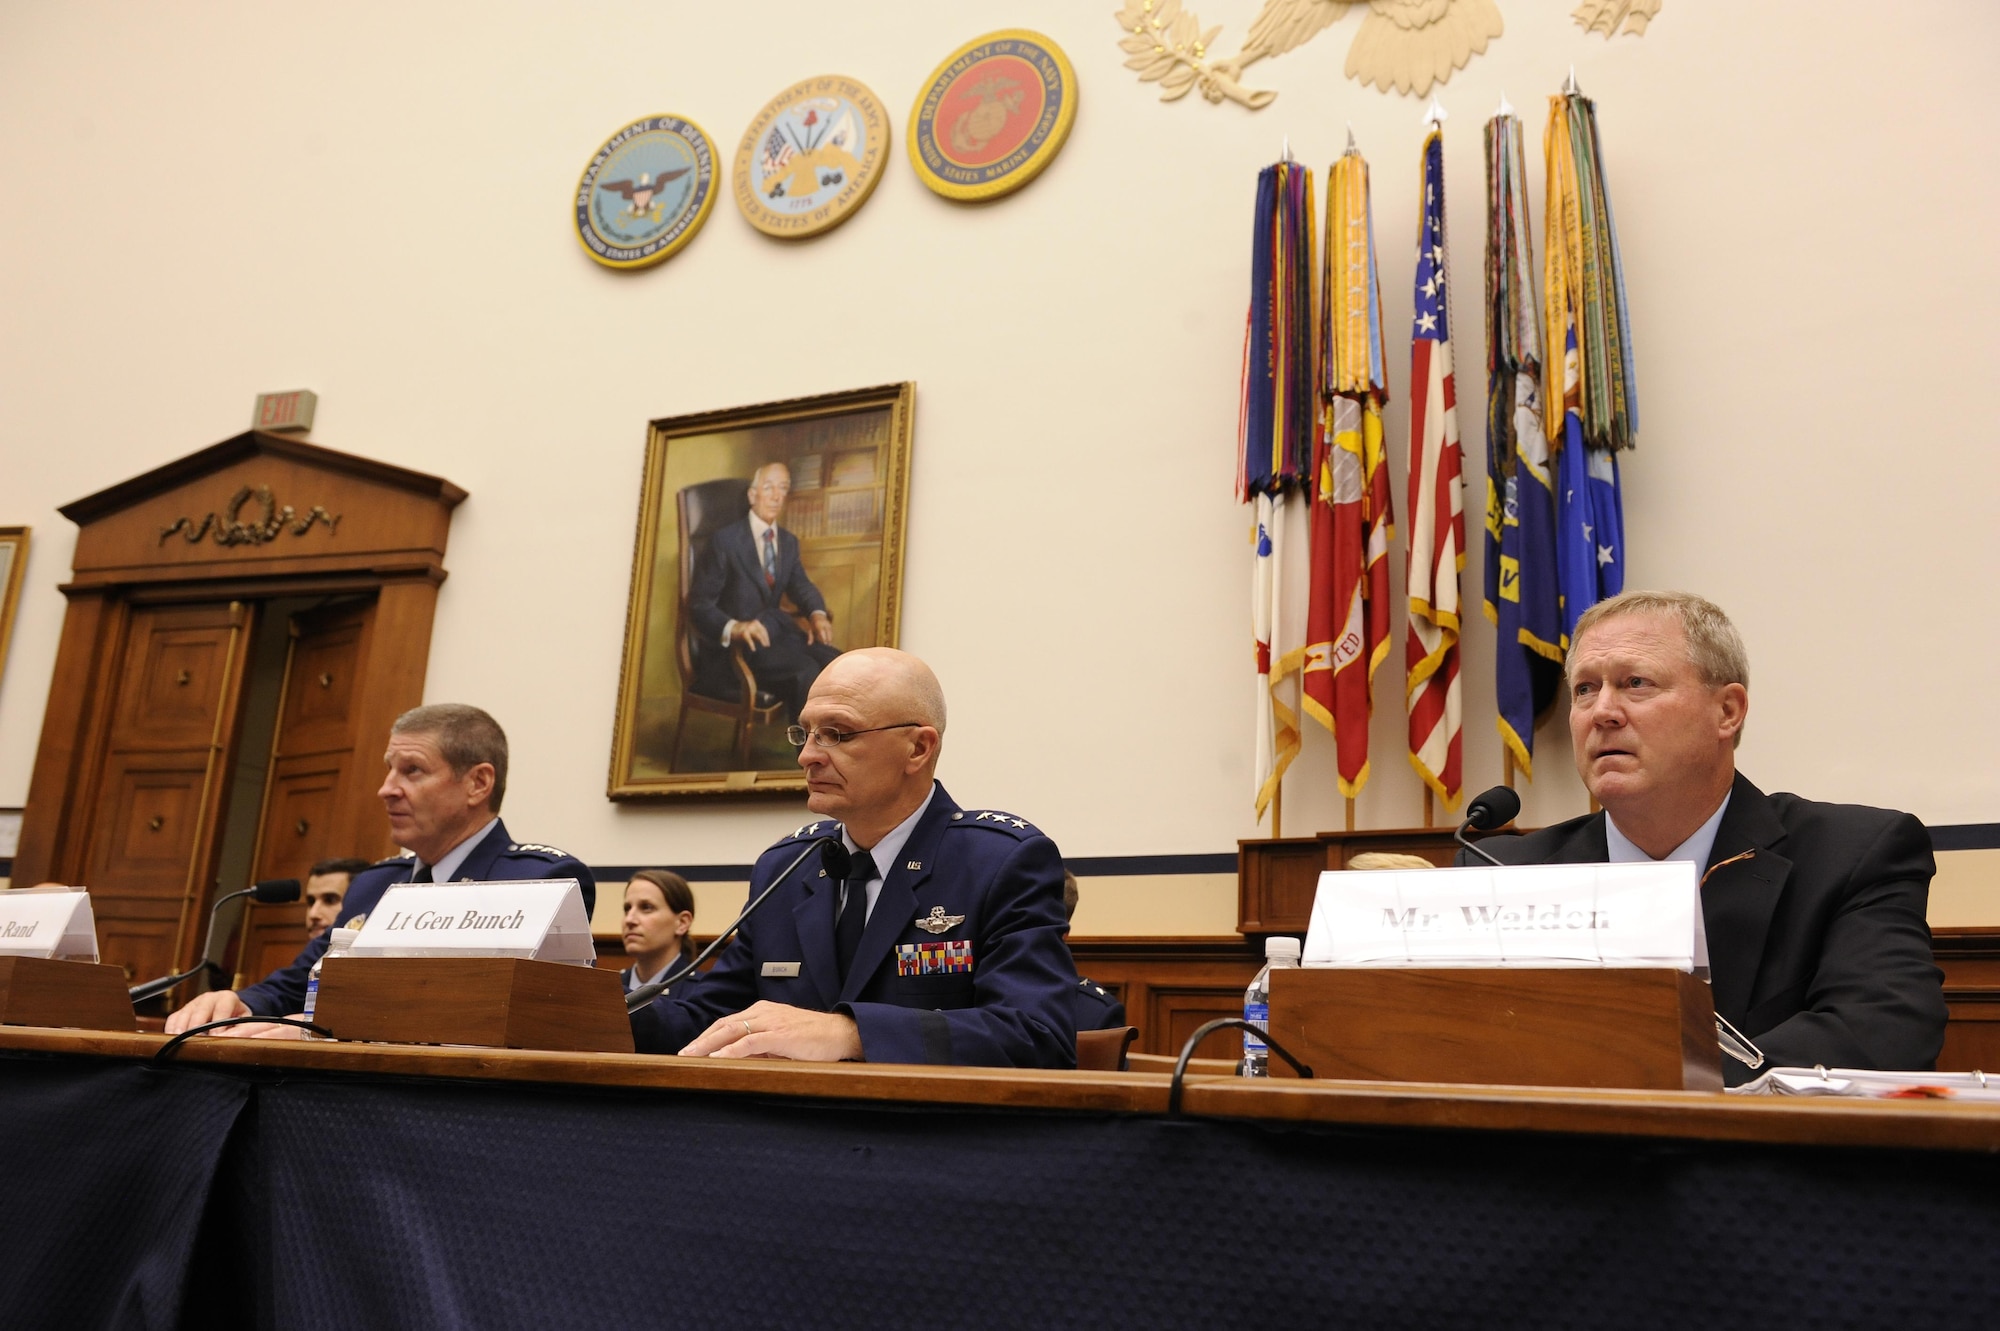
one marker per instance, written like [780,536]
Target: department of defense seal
[811,157]
[993,115]
[646,192]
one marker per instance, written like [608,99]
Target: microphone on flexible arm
[1496,808]
[832,854]
[273,891]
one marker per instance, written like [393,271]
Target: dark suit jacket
[496,859]
[728,583]
[1817,945]
[998,874]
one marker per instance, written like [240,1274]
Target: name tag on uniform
[780,970]
[953,958]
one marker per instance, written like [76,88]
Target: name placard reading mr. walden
[1521,915]
[542,920]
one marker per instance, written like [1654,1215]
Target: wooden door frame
[386,539]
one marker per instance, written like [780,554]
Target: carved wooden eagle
[1407,45]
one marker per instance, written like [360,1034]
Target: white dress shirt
[1696,848]
[757,529]
[885,851]
[449,862]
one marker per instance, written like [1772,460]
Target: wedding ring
[747,1030]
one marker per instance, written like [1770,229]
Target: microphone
[832,854]
[273,891]
[1495,808]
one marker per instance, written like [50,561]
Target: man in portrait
[738,594]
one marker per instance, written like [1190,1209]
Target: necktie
[853,913]
[422,875]
[770,557]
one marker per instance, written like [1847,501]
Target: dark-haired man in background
[447,774]
[326,889]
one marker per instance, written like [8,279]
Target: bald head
[890,709]
[885,680]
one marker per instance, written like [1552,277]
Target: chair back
[1104,1051]
[702,510]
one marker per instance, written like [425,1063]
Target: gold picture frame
[13,566]
[764,531]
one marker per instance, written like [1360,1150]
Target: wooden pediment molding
[262,505]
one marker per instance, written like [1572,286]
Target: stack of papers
[1874,1085]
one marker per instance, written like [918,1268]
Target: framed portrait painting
[13,564]
[770,540]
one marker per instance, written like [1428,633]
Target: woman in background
[659,913]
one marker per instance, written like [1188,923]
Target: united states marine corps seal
[646,192]
[993,115]
[811,157]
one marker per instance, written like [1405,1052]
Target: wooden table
[509,1187]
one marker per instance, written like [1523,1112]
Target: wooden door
[308,807]
[154,833]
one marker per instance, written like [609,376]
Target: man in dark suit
[447,775]
[943,945]
[1817,943]
[737,594]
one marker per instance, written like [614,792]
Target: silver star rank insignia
[937,921]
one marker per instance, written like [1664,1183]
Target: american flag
[1437,512]
[777,151]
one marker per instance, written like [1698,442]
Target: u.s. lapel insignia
[937,921]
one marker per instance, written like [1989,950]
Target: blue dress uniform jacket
[496,859]
[988,884]
[1817,943]
[1096,1008]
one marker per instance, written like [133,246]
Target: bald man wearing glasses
[944,944]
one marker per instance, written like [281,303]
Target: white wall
[207,200]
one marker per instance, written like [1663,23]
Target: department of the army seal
[646,192]
[993,115]
[811,157]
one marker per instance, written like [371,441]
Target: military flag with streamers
[1275,425]
[1347,619]
[1522,598]
[1436,550]
[1584,309]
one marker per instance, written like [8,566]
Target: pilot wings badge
[937,921]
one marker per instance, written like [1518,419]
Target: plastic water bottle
[1283,954]
[342,940]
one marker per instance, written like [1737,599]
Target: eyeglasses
[827,737]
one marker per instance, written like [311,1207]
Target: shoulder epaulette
[536,848]
[405,858]
[824,827]
[1090,986]
[995,820]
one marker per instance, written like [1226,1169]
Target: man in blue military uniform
[447,774]
[1095,1007]
[944,944]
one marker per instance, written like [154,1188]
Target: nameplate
[780,970]
[539,920]
[53,922]
[1521,915]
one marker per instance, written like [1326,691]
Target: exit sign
[283,412]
